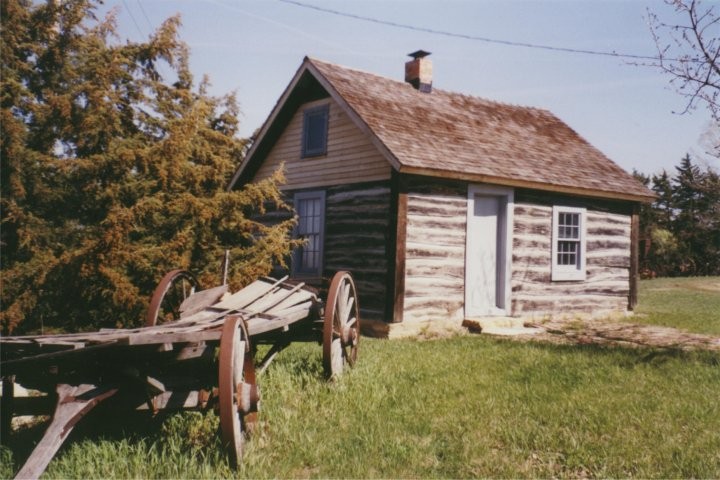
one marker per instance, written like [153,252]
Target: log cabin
[445,206]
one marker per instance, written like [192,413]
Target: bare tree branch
[689,52]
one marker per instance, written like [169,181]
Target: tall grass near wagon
[467,406]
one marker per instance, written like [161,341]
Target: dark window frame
[300,267]
[316,121]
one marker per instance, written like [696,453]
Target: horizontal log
[422,250]
[523,263]
[531,243]
[368,260]
[542,229]
[435,236]
[611,259]
[531,275]
[433,286]
[609,232]
[372,195]
[522,307]
[600,247]
[437,209]
[599,218]
[360,238]
[533,211]
[432,221]
[413,267]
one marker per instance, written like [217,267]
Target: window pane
[567,253]
[569,225]
[315,126]
[308,257]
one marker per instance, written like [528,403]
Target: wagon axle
[247,397]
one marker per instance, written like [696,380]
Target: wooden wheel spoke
[174,288]
[341,325]
[342,302]
[236,382]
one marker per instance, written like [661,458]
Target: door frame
[506,203]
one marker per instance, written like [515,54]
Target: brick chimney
[418,71]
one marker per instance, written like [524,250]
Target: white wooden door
[489,235]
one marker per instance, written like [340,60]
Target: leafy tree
[114,169]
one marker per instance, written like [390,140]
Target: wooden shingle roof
[452,135]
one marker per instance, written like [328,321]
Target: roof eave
[509,182]
[269,122]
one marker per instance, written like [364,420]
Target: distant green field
[467,406]
[691,304]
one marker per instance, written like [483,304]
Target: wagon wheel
[239,396]
[341,328]
[172,290]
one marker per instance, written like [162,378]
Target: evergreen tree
[663,207]
[114,169]
[683,224]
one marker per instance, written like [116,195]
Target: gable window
[310,209]
[568,243]
[315,128]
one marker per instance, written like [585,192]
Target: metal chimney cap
[419,54]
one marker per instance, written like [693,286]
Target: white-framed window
[568,243]
[315,129]
[310,209]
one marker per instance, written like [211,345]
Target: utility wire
[142,9]
[133,19]
[474,37]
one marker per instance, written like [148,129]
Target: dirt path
[609,332]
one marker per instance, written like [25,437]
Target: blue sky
[254,47]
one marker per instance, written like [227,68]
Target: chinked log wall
[434,250]
[435,254]
[606,287]
[357,227]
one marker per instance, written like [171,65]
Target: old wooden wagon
[204,358]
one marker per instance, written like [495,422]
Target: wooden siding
[606,287]
[357,220]
[435,250]
[350,158]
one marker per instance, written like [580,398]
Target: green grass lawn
[691,304]
[467,406]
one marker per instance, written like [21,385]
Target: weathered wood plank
[73,403]
[202,299]
[247,295]
[151,338]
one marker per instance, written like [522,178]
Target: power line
[133,19]
[472,37]
[142,9]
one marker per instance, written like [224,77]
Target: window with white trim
[315,128]
[310,209]
[568,243]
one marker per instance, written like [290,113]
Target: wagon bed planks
[248,295]
[266,304]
